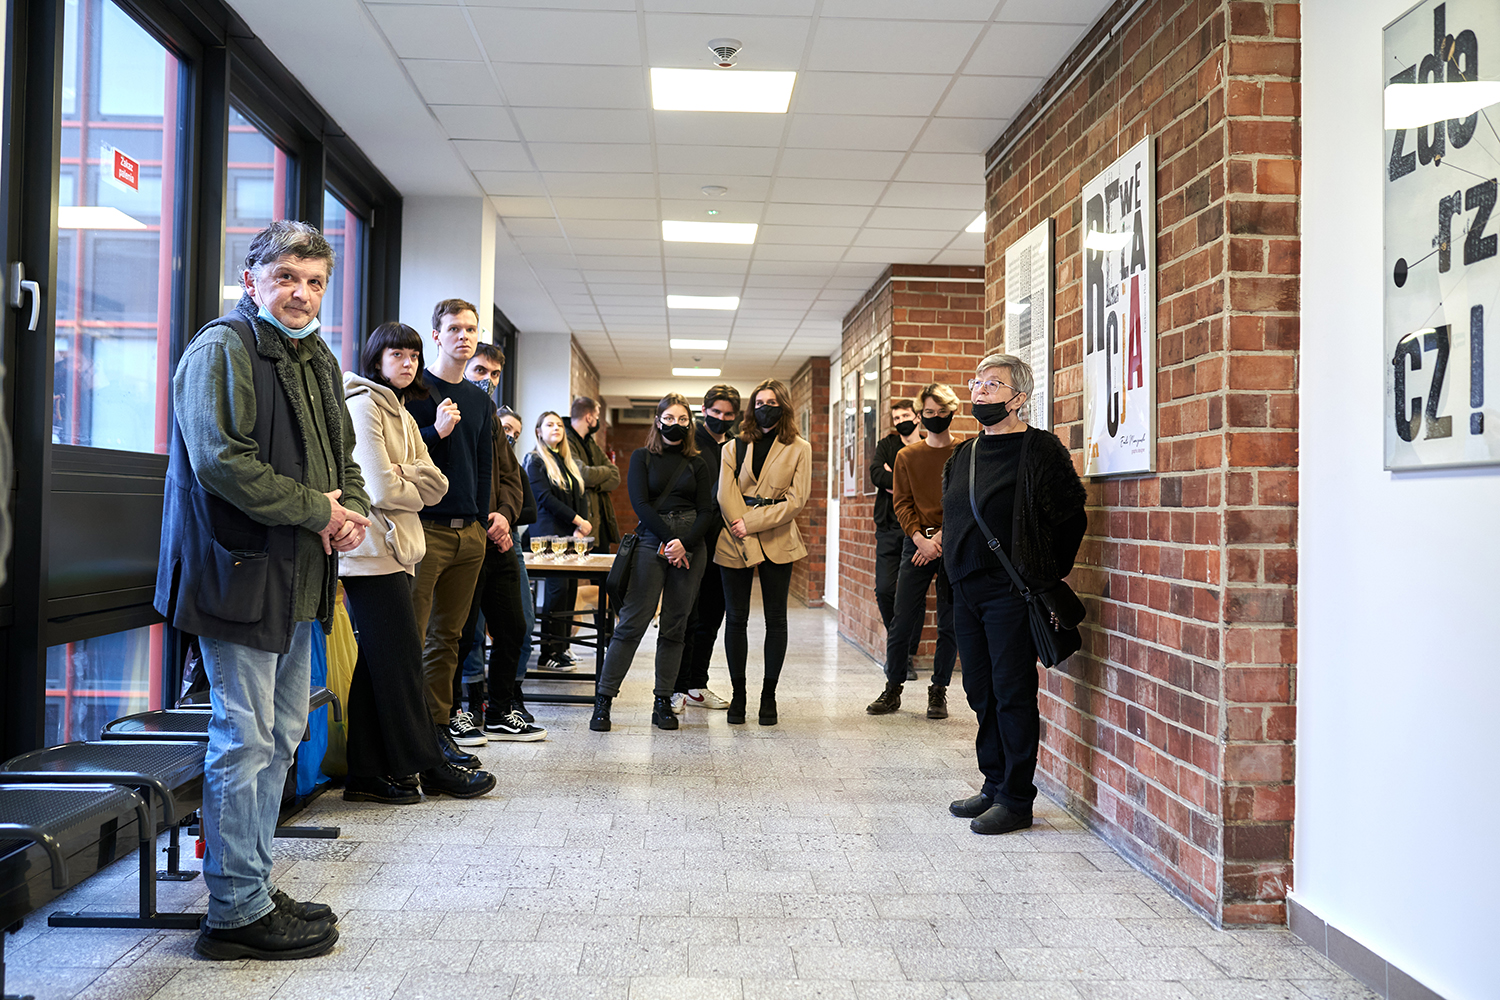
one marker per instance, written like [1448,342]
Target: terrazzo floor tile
[813,860]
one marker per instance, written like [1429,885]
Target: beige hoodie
[399,476]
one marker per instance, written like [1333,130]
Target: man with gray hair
[262,491]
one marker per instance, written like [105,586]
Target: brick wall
[927,324]
[625,439]
[810,395]
[1172,731]
[583,377]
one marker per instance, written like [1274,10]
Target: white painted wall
[1398,798]
[447,251]
[543,367]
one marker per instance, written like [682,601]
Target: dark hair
[727,393]
[288,238]
[583,406]
[490,353]
[393,336]
[505,411]
[655,442]
[452,307]
[902,404]
[786,430]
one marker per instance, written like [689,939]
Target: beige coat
[772,530]
[399,476]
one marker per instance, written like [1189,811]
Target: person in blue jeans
[262,491]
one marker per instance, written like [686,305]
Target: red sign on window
[127,171]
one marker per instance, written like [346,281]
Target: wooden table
[592,568]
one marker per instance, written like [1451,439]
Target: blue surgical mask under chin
[306,331]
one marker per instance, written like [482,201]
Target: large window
[95,681]
[342,315]
[259,190]
[116,232]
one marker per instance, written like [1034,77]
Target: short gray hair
[1021,378]
[288,238]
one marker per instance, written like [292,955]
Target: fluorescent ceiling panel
[683,344]
[721,90]
[721,302]
[677,231]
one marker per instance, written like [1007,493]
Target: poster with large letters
[1442,273]
[1119,316]
[1028,315]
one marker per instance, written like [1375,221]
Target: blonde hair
[549,462]
[944,394]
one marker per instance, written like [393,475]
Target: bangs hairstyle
[786,429]
[722,393]
[489,352]
[942,394]
[549,459]
[393,336]
[655,442]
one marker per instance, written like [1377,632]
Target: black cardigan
[1049,520]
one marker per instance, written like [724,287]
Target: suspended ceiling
[545,106]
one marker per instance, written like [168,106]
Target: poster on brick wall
[1119,316]
[1442,271]
[1028,315]
[850,424]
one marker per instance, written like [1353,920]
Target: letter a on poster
[1119,316]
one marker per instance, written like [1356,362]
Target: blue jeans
[259,714]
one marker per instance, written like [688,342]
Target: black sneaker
[451,753]
[308,911]
[519,706]
[514,729]
[277,936]
[461,727]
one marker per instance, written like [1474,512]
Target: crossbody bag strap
[989,535]
[682,464]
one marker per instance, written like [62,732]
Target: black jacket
[885,454]
[556,505]
[711,452]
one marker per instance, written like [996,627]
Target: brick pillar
[810,397]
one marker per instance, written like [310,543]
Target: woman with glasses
[557,483]
[763,485]
[671,490]
[1027,492]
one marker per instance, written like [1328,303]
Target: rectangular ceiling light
[721,90]
[728,303]
[696,372]
[977,226]
[679,344]
[94,217]
[708,232]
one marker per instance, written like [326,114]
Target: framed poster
[1028,314]
[1119,316]
[1442,273]
[869,409]
[850,403]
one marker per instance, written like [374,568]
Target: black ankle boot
[768,707]
[662,716]
[600,722]
[737,698]
[888,702]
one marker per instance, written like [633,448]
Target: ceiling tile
[583,125]
[541,244]
[915,239]
[922,218]
[1055,11]
[914,195]
[602,246]
[771,43]
[960,257]
[790,252]
[522,208]
[583,185]
[853,132]
[532,227]
[508,183]
[1024,49]
[988,96]
[805,235]
[690,187]
[961,135]
[923,46]
[548,86]
[946,168]
[706,128]
[605,208]
[789,7]
[466,121]
[840,164]
[553,4]
[815,215]
[588,38]
[946,10]
[716,159]
[817,191]
[868,93]
[594,157]
[482,154]
[441,82]
[418,31]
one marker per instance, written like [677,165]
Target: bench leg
[173,872]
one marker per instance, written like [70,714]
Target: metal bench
[52,837]
[164,773]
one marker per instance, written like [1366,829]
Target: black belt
[763,501]
[929,532]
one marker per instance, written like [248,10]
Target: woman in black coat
[1029,494]
[557,483]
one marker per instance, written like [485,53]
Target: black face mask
[673,433]
[937,424]
[905,427]
[767,416]
[716,425]
[991,414]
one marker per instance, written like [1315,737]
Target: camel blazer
[772,530]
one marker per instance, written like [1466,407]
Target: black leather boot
[767,707]
[600,722]
[451,751]
[937,701]
[662,716]
[888,702]
[459,782]
[737,698]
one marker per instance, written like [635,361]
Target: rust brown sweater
[917,491]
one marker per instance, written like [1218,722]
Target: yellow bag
[342,654]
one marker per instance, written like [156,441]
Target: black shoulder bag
[1054,611]
[618,581]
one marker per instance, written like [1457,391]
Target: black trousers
[558,598]
[390,732]
[1000,681]
[702,630]
[905,630]
[888,551]
[775,584]
[498,594]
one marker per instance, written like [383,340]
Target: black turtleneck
[693,491]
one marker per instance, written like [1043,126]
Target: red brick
[1265,59]
[1248,19]
[1278,177]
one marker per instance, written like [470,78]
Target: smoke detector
[726,51]
[715,190]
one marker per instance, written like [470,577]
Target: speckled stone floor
[815,859]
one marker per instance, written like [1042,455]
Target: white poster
[1119,316]
[1028,315]
[1442,272]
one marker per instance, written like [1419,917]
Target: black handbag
[1054,611]
[618,581]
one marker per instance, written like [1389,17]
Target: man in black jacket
[721,406]
[888,535]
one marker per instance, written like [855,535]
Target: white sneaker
[679,703]
[704,698]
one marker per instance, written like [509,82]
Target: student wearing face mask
[672,492]
[763,485]
[888,534]
[557,483]
[918,507]
[1028,493]
[598,471]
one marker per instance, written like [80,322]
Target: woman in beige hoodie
[392,743]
